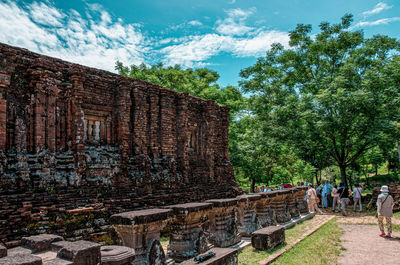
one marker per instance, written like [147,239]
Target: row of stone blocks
[195,227]
[53,250]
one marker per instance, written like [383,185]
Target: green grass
[396,215]
[250,256]
[164,241]
[322,247]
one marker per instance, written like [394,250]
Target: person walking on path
[344,198]
[336,201]
[326,190]
[357,196]
[312,199]
[385,211]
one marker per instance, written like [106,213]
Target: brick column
[181,135]
[154,125]
[3,122]
[76,120]
[123,104]
[211,119]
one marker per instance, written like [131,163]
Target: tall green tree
[335,92]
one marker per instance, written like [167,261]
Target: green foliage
[331,97]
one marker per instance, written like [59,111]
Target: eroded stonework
[73,136]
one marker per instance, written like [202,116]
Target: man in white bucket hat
[385,210]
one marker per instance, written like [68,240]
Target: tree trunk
[316,177]
[253,183]
[343,174]
[376,170]
[398,147]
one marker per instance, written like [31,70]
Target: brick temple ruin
[79,144]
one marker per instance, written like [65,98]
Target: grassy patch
[396,215]
[322,247]
[250,256]
[164,241]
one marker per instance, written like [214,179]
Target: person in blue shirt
[267,188]
[326,190]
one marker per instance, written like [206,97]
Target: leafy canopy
[332,96]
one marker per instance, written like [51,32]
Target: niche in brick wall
[193,139]
[96,125]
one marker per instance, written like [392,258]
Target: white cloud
[232,2]
[195,23]
[195,50]
[234,25]
[192,51]
[260,43]
[231,36]
[44,14]
[377,9]
[382,21]
[96,41]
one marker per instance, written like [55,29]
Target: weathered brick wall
[71,136]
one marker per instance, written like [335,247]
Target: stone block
[40,242]
[141,216]
[80,252]
[116,255]
[21,259]
[223,256]
[3,251]
[268,237]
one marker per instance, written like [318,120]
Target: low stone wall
[196,227]
[53,250]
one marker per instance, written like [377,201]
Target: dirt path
[364,246]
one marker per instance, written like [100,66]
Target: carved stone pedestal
[292,203]
[302,205]
[223,229]
[140,230]
[117,255]
[279,205]
[247,215]
[265,213]
[187,238]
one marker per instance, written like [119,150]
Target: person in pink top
[312,199]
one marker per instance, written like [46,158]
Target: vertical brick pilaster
[181,135]
[77,120]
[39,120]
[139,118]
[123,105]
[167,126]
[51,121]
[154,122]
[3,122]
[210,138]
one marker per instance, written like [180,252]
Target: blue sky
[224,35]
